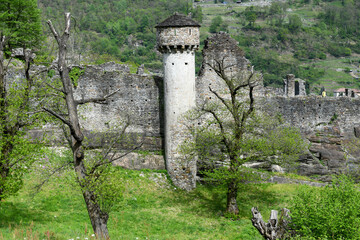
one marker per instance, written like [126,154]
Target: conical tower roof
[178,20]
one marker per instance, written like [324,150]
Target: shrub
[347,51]
[322,55]
[331,212]
[282,34]
[295,23]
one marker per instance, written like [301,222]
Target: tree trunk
[275,228]
[98,218]
[231,206]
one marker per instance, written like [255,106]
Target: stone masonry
[327,123]
[178,38]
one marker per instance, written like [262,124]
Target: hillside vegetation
[116,29]
[315,40]
[311,39]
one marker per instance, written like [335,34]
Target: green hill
[316,40]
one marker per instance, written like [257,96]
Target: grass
[149,210]
[333,78]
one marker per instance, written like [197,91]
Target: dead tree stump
[275,228]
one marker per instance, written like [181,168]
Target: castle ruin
[150,101]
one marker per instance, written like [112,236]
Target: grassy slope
[148,210]
[331,80]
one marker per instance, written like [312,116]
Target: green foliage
[331,212]
[17,116]
[277,13]
[217,25]
[310,73]
[295,23]
[58,210]
[108,189]
[20,23]
[124,29]
[283,34]
[18,162]
[339,51]
[74,75]
[250,15]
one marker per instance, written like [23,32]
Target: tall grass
[151,209]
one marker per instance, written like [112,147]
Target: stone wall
[139,97]
[326,123]
[329,124]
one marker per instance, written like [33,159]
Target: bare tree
[88,173]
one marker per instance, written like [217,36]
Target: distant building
[294,86]
[346,92]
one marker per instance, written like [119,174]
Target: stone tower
[177,38]
[294,86]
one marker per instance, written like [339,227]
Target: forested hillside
[122,29]
[294,36]
[316,40]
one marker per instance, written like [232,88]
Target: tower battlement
[178,33]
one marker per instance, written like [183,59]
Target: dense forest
[285,37]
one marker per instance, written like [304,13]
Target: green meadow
[151,208]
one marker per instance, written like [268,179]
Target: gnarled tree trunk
[231,205]
[275,228]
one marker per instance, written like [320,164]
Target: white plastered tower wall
[177,39]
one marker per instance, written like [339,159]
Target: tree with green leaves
[20,27]
[217,24]
[250,15]
[295,23]
[235,132]
[20,24]
[277,12]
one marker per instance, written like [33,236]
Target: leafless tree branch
[40,185]
[58,116]
[56,89]
[56,35]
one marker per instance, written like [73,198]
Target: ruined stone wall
[307,113]
[328,124]
[325,122]
[139,97]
